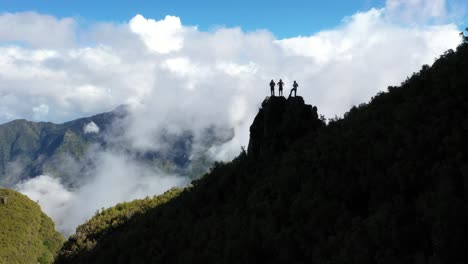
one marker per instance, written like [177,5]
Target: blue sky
[284,18]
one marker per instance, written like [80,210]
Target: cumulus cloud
[91,127]
[34,29]
[175,78]
[228,62]
[161,36]
[350,64]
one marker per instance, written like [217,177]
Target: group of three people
[280,86]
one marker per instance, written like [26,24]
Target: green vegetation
[29,149]
[388,183]
[104,221]
[27,235]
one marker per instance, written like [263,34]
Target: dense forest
[27,235]
[87,234]
[387,183]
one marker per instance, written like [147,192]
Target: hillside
[65,151]
[106,220]
[27,235]
[29,149]
[388,183]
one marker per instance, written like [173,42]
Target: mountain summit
[279,123]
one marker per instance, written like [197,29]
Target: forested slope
[27,235]
[29,149]
[388,183]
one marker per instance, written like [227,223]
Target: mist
[118,178]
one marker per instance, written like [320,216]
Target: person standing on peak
[272,88]
[295,85]
[280,85]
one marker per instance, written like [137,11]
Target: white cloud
[416,11]
[237,70]
[226,62]
[35,30]
[161,36]
[51,195]
[91,127]
[181,66]
[40,112]
[349,64]
[176,79]
[117,179]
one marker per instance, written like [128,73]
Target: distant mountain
[27,235]
[388,183]
[29,149]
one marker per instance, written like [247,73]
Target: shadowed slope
[388,183]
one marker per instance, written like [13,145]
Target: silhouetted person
[272,88]
[280,85]
[294,89]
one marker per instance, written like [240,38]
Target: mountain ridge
[67,151]
[388,183]
[29,149]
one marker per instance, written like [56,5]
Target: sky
[84,37]
[282,18]
[185,67]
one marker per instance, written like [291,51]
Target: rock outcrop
[279,123]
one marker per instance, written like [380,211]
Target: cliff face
[279,123]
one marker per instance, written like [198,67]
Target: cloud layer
[118,178]
[176,78]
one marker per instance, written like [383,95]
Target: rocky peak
[279,123]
